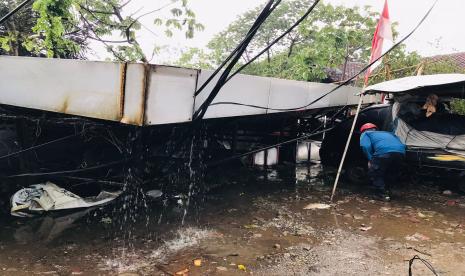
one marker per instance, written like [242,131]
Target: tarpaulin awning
[440,84]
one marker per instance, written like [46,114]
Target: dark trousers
[385,169]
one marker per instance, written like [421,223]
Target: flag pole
[341,164]
[383,32]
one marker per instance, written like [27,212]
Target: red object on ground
[451,203]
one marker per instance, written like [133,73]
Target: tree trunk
[346,60]
[291,48]
[14,47]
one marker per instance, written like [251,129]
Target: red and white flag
[382,40]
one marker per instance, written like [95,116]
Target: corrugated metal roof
[416,82]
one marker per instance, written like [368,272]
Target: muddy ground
[256,225]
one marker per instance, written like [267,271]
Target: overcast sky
[442,33]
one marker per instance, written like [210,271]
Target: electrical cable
[345,82]
[250,35]
[346,148]
[109,164]
[276,40]
[200,112]
[41,145]
[235,55]
[314,133]
[425,262]
[14,11]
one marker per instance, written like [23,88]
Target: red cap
[368,126]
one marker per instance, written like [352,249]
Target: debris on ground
[447,192]
[41,198]
[451,203]
[221,268]
[357,217]
[417,237]
[421,215]
[154,194]
[365,228]
[198,262]
[317,206]
[268,234]
[250,226]
[184,272]
[106,220]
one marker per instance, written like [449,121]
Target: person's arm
[365,144]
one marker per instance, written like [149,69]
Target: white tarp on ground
[49,197]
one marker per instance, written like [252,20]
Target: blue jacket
[375,143]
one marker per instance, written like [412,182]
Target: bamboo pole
[341,164]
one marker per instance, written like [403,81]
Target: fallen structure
[420,112]
[145,95]
[85,121]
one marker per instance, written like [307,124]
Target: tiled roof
[457,58]
[352,68]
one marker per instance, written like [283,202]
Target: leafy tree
[333,36]
[396,64]
[458,106]
[444,66]
[195,58]
[279,21]
[64,28]
[400,64]
[15,31]
[327,38]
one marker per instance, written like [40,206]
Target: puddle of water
[255,218]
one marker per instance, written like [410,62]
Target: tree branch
[116,54]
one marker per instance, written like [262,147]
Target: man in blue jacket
[385,153]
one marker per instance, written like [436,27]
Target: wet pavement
[256,223]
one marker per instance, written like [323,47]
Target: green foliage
[443,66]
[64,28]
[194,58]
[458,106]
[54,18]
[16,30]
[401,64]
[328,37]
[396,64]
